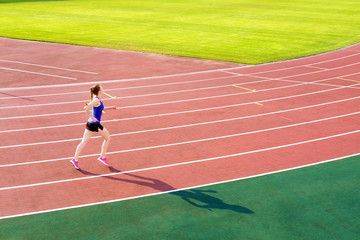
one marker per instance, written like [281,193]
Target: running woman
[93,125]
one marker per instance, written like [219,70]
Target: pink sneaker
[75,163]
[103,160]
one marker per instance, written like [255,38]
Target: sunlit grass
[246,31]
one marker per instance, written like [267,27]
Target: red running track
[179,123]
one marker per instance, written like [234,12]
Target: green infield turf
[246,31]
[317,202]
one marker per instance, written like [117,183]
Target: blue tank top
[97,112]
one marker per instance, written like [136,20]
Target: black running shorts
[94,127]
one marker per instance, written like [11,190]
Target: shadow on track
[197,198]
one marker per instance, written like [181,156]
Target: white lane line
[185,142]
[136,96]
[38,73]
[181,112]
[47,66]
[55,103]
[41,115]
[155,77]
[319,67]
[234,73]
[182,163]
[176,190]
[54,126]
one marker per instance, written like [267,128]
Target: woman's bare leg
[85,139]
[106,135]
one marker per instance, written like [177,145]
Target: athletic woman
[93,125]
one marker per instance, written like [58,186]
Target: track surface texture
[179,123]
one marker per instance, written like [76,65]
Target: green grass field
[245,31]
[318,202]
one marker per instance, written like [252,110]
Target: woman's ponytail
[91,93]
[94,90]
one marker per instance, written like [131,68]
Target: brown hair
[94,90]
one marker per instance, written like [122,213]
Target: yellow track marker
[349,80]
[86,103]
[108,95]
[252,90]
[260,104]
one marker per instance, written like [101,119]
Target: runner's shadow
[197,198]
